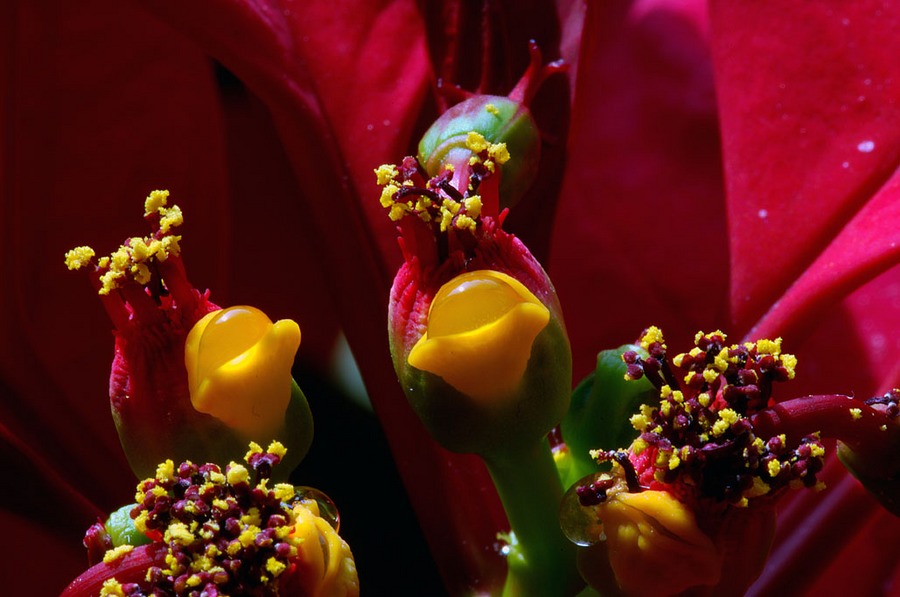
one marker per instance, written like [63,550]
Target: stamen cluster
[137,256]
[699,439]
[227,534]
[437,201]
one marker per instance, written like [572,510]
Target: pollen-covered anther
[699,437]
[227,536]
[441,201]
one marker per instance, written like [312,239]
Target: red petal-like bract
[808,103]
[103,103]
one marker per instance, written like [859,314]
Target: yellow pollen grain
[638,446]
[690,377]
[252,517]
[140,273]
[155,201]
[653,334]
[476,143]
[710,375]
[79,257]
[170,218]
[387,194]
[724,422]
[140,523]
[704,399]
[816,451]
[679,358]
[111,588]
[248,536]
[774,467]
[385,173]
[473,206]
[639,422]
[789,362]
[492,109]
[276,448]
[274,567]
[284,491]
[772,347]
[499,153]
[170,244]
[446,218]
[116,553]
[178,532]
[254,448]
[758,488]
[665,408]
[856,413]
[165,471]
[237,473]
[665,391]
[398,210]
[464,222]
[674,462]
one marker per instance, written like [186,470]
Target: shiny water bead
[325,507]
[578,520]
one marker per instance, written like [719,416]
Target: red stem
[833,416]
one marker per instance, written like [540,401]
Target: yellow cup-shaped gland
[481,327]
[654,544]
[239,369]
[325,564]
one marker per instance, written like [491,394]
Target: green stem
[541,560]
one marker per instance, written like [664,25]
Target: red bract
[108,102]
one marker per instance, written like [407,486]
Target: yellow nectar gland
[239,368]
[480,331]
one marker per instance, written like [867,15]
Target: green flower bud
[499,120]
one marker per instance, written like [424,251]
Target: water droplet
[386,122]
[845,165]
[579,523]
[866,146]
[370,127]
[763,213]
[867,82]
[327,510]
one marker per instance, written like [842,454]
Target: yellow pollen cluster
[492,109]
[462,215]
[131,260]
[117,553]
[79,257]
[856,413]
[237,473]
[653,334]
[497,153]
[165,471]
[727,417]
[111,588]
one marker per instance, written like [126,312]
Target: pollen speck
[492,109]
[856,413]
[117,553]
[79,257]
